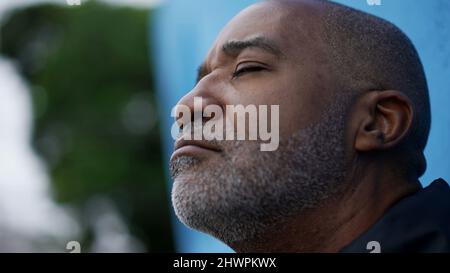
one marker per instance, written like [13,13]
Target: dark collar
[417,223]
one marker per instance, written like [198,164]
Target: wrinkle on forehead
[292,24]
[256,20]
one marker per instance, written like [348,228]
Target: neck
[339,220]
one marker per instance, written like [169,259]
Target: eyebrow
[235,47]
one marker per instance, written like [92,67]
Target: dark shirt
[417,223]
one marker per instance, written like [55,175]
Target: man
[354,120]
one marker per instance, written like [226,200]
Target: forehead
[254,20]
[260,20]
[289,28]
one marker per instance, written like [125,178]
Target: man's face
[235,191]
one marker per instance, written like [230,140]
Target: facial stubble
[242,193]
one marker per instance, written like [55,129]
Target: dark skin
[266,55]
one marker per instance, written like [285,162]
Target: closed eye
[247,69]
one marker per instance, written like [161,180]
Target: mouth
[194,148]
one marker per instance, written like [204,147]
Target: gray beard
[243,193]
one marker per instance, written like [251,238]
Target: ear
[386,118]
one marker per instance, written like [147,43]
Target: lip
[193,148]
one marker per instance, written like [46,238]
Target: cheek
[299,101]
[296,110]
[289,111]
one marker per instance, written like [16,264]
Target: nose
[193,104]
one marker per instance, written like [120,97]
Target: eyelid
[248,65]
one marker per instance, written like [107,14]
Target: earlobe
[387,120]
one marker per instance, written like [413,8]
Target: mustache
[212,142]
[192,131]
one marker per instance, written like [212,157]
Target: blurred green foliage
[96,122]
